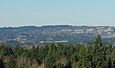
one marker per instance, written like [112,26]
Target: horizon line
[51,25]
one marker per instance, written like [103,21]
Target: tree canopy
[59,55]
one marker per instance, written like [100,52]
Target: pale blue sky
[56,12]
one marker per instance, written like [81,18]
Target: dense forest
[59,55]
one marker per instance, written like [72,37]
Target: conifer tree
[2,65]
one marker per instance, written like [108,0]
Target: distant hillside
[59,33]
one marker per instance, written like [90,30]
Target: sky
[15,13]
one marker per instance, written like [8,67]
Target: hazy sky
[56,12]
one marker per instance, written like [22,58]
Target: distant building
[53,41]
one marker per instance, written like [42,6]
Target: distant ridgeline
[55,34]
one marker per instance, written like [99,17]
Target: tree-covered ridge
[59,33]
[60,55]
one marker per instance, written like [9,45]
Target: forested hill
[58,33]
[60,55]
